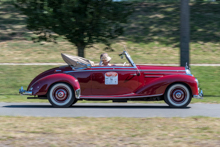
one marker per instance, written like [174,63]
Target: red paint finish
[42,85]
[159,85]
[145,81]
[85,81]
[128,81]
[161,69]
[48,72]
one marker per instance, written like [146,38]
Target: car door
[114,80]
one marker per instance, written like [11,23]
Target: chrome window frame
[129,59]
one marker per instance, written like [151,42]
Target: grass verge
[41,131]
[13,77]
[150,53]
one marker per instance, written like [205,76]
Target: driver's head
[105,58]
[103,54]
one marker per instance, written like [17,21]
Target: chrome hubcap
[60,94]
[178,95]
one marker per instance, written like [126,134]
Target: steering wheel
[124,64]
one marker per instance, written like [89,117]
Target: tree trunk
[81,50]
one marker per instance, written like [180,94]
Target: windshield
[128,57]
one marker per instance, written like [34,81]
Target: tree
[82,22]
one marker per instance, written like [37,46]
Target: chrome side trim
[100,96]
[153,76]
[122,70]
[112,95]
[97,70]
[24,92]
[164,70]
[77,93]
[163,73]
[111,67]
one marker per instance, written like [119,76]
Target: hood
[148,67]
[162,69]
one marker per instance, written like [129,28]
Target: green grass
[13,77]
[208,78]
[26,51]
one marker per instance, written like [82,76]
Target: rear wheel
[61,95]
[177,96]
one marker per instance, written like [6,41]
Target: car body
[65,85]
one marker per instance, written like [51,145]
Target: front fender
[42,85]
[159,85]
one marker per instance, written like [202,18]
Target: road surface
[108,110]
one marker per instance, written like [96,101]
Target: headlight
[197,82]
[188,72]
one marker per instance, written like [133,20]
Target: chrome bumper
[24,92]
[200,96]
[77,93]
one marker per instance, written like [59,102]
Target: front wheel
[177,96]
[61,95]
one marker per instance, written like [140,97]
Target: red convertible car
[81,80]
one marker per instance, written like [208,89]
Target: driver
[105,60]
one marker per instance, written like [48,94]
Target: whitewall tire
[178,95]
[61,95]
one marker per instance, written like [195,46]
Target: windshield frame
[128,57]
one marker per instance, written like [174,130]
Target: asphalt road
[108,110]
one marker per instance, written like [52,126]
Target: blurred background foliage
[81,22]
[151,20]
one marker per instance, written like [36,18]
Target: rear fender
[42,86]
[159,85]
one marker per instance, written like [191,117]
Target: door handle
[133,74]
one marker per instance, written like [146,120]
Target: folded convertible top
[76,61]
